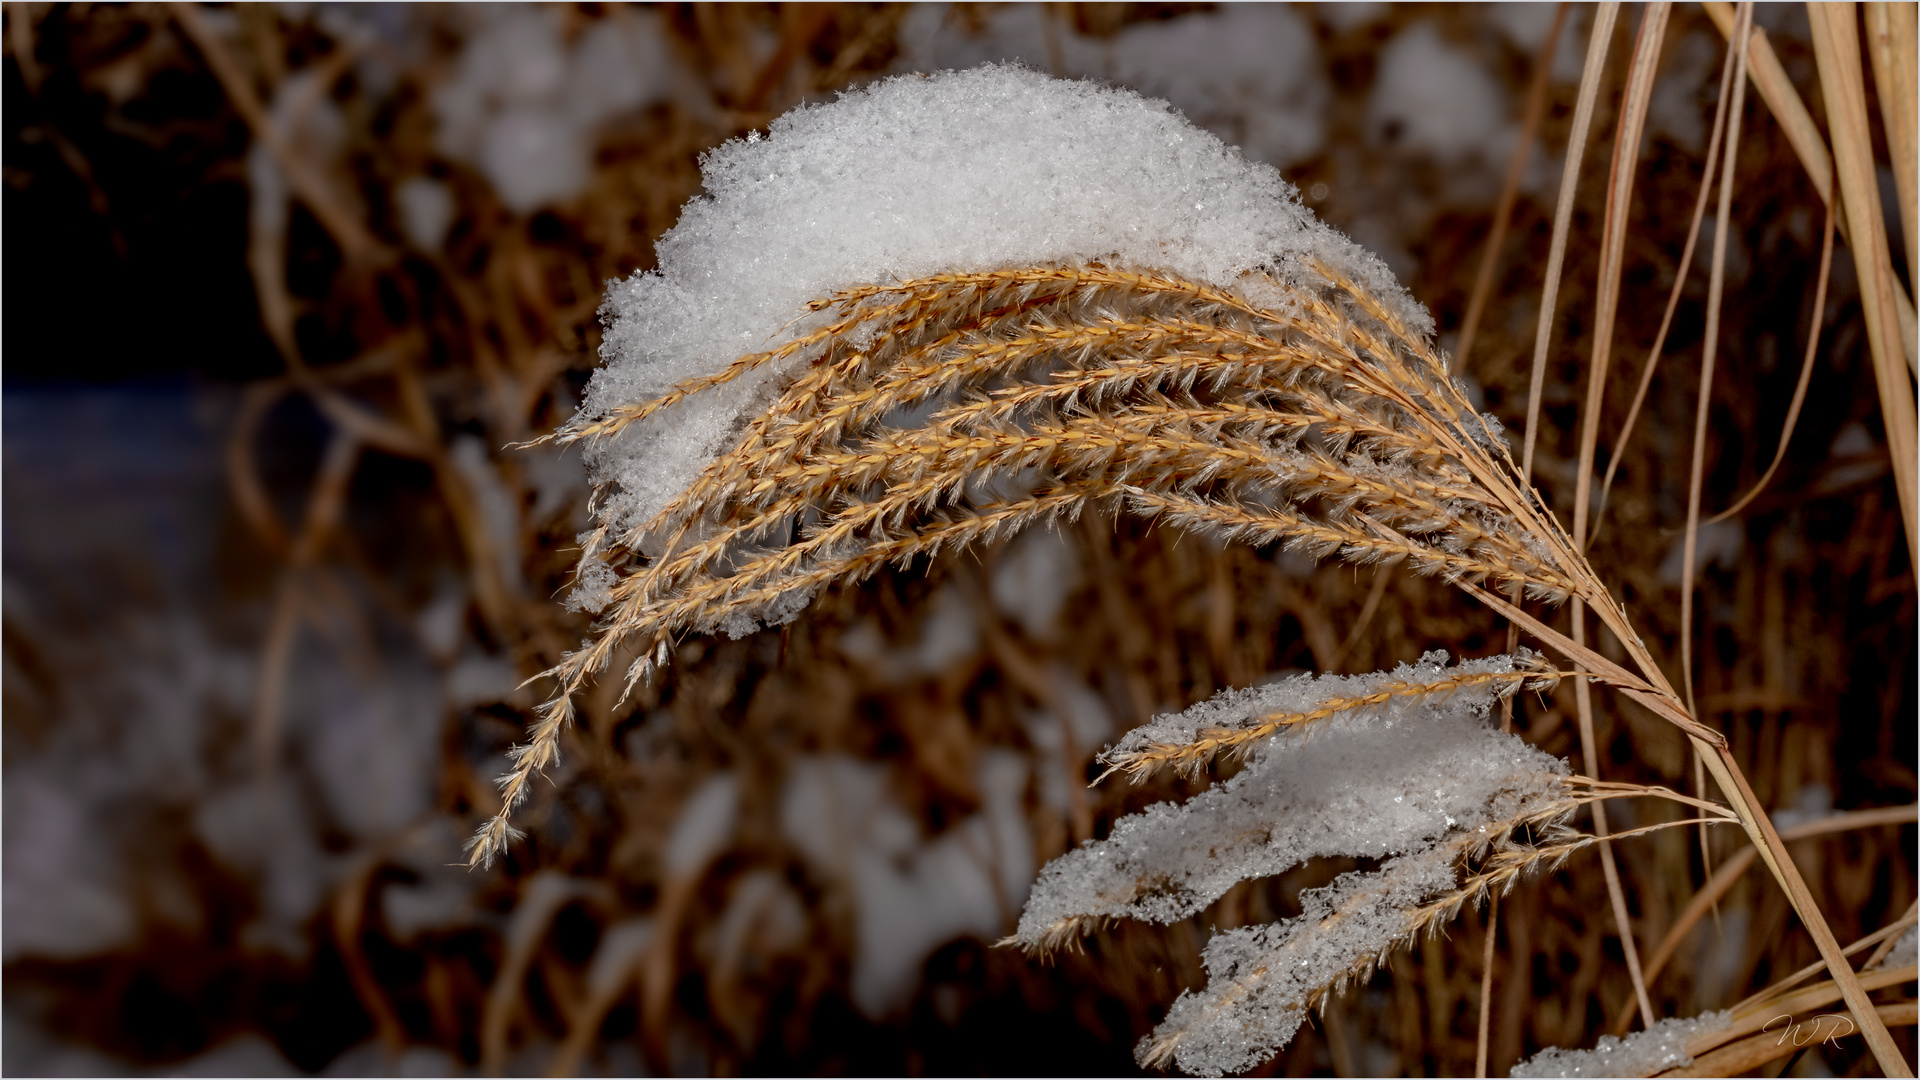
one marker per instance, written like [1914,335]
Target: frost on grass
[1261,979]
[1306,793]
[1643,1053]
[1400,765]
[1902,954]
[977,170]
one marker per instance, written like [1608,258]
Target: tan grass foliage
[1309,417]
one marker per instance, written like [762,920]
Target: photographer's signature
[1822,1028]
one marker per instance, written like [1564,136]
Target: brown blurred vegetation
[351,363]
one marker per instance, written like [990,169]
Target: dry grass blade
[1716,285]
[1770,78]
[1604,17]
[1329,427]
[1892,46]
[1626,155]
[1800,388]
[1836,44]
[1736,867]
[1679,285]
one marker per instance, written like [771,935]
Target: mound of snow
[993,167]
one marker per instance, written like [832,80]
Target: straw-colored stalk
[1312,418]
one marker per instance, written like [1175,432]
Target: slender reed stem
[1604,17]
[1806,376]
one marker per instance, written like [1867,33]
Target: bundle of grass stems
[1189,444]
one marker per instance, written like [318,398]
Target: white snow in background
[910,895]
[1343,17]
[268,836]
[1431,96]
[479,679]
[440,624]
[948,633]
[1249,73]
[1035,574]
[1082,715]
[523,104]
[1811,803]
[704,826]
[499,509]
[426,211]
[1903,952]
[1526,26]
[1682,104]
[618,955]
[1716,544]
[971,170]
[938,37]
[1643,1053]
[64,896]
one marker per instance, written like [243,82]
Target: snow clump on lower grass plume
[1305,794]
[968,171]
[1402,765]
[1643,1053]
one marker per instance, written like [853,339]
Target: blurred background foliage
[287,280]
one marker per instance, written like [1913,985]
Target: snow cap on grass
[976,170]
[1307,793]
[1260,978]
[1643,1053]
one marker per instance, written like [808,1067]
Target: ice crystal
[1307,793]
[1643,1053]
[975,170]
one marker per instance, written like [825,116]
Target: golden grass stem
[1891,46]
[1604,17]
[1716,286]
[1510,188]
[1726,773]
[1486,971]
[1744,1058]
[1770,78]
[1836,47]
[1626,155]
[1679,285]
[1735,867]
[1806,376]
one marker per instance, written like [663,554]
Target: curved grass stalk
[1328,425]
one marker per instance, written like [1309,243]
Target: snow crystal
[1304,795]
[1902,954]
[1643,1053]
[971,170]
[1259,978]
